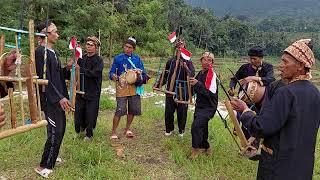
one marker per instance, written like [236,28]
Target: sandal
[44,172]
[129,134]
[114,137]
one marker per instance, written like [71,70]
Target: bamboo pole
[2,43]
[16,79]
[31,96]
[173,77]
[30,69]
[180,92]
[22,129]
[31,45]
[2,123]
[235,122]
[74,90]
[18,71]
[13,113]
[78,78]
[189,89]
[33,62]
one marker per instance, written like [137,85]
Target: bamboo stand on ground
[30,80]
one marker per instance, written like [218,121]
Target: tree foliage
[150,21]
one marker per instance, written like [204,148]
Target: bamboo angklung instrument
[174,74]
[31,97]
[160,82]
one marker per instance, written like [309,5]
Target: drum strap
[139,89]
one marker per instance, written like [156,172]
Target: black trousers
[86,114]
[55,131]
[199,128]
[170,108]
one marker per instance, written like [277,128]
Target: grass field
[150,155]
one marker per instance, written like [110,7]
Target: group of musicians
[285,115]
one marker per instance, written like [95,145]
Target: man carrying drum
[255,71]
[128,72]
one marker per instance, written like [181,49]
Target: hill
[262,8]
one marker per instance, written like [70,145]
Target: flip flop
[44,172]
[129,134]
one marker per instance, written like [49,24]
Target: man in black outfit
[87,105]
[257,70]
[185,66]
[206,89]
[289,120]
[54,96]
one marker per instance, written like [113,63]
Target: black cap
[256,51]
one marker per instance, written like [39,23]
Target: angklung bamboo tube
[13,113]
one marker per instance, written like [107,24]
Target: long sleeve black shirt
[91,75]
[266,73]
[55,74]
[205,98]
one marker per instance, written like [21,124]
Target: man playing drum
[290,120]
[128,72]
[255,71]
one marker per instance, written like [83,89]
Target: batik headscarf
[207,54]
[95,40]
[301,50]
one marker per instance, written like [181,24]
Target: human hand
[9,62]
[114,77]
[70,63]
[193,81]
[65,105]
[138,71]
[238,105]
[247,80]
[231,92]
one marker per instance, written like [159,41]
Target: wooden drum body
[255,92]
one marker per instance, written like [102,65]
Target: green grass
[150,155]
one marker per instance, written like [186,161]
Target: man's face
[256,61]
[91,47]
[289,67]
[206,62]
[128,49]
[52,34]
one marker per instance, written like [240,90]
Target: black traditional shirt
[289,123]
[91,75]
[266,74]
